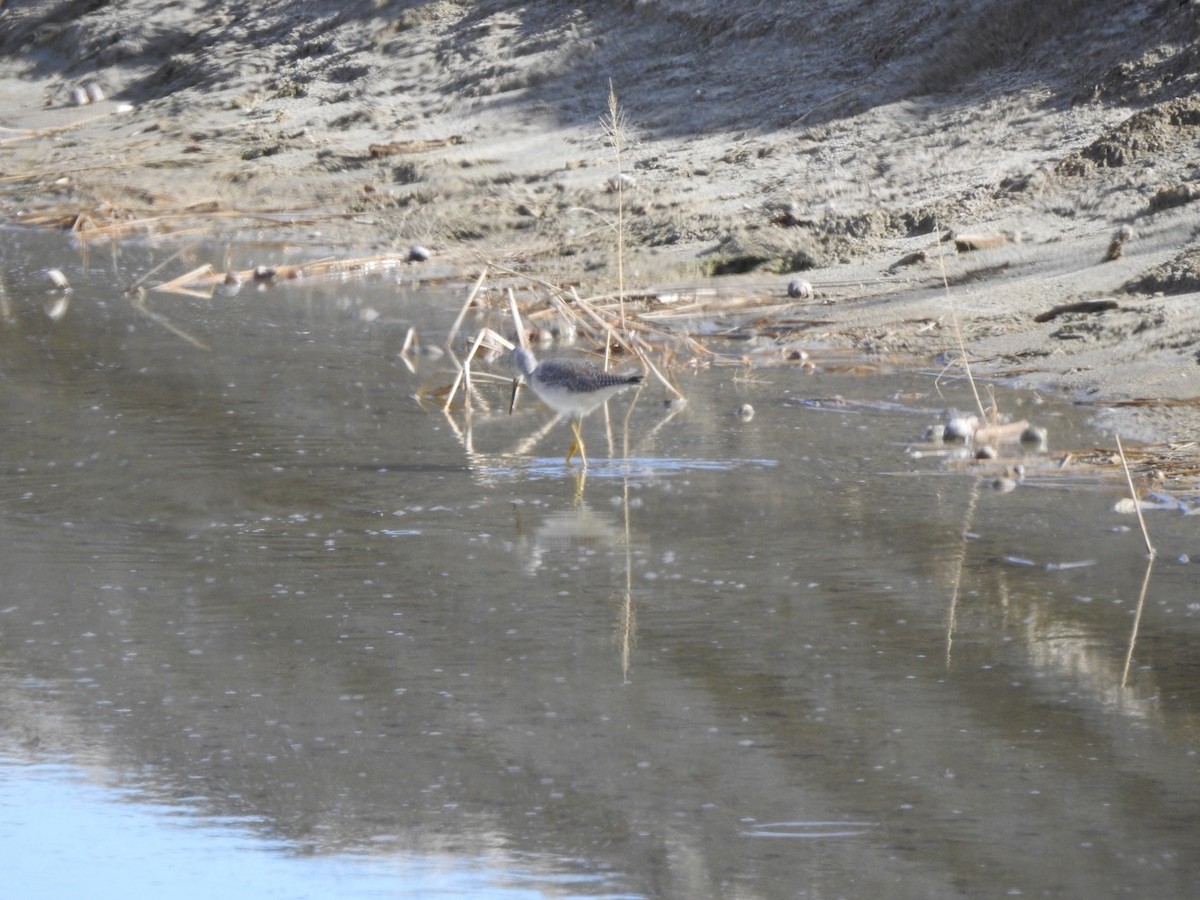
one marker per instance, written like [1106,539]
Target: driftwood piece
[1008,433]
[1178,195]
[395,147]
[988,240]
[1083,306]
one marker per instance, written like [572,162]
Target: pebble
[1034,436]
[623,182]
[959,428]
[745,412]
[799,288]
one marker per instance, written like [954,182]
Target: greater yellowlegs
[570,387]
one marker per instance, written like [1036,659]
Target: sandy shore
[1030,155]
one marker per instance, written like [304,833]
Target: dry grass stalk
[462,313]
[201,281]
[1133,494]
[522,337]
[630,343]
[186,283]
[485,338]
[1178,461]
[962,346]
[615,124]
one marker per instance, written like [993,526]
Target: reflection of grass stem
[1137,619]
[140,306]
[960,564]
[628,615]
[1137,506]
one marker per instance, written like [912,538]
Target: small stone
[230,284]
[417,253]
[622,182]
[960,428]
[1034,436]
[745,412]
[798,288]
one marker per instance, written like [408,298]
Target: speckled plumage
[571,387]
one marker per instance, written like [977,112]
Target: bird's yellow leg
[576,445]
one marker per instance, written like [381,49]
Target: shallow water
[266,620]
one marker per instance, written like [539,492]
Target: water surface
[262,607]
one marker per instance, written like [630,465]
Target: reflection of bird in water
[570,387]
[566,538]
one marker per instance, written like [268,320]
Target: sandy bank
[840,141]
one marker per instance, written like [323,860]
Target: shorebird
[570,387]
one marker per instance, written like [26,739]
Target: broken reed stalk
[614,124]
[462,313]
[629,345]
[464,371]
[1137,507]
[522,337]
[962,346]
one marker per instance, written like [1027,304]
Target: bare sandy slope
[837,138]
